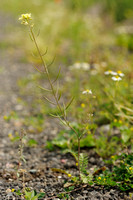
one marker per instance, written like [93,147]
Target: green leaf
[49,100]
[57,76]
[41,195]
[69,103]
[32,143]
[45,89]
[87,141]
[84,178]
[83,162]
[125,137]
[59,171]
[29,195]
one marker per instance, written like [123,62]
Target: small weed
[121,175]
[26,19]
[67,139]
[30,194]
[116,110]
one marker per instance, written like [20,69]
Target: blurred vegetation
[73,29]
[76,31]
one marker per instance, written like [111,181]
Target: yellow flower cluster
[25,18]
[119,121]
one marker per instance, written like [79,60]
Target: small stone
[92,160]
[85,192]
[107,196]
[112,191]
[32,171]
[18,107]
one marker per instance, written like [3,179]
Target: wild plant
[22,160]
[122,103]
[62,108]
[26,193]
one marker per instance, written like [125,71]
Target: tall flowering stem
[26,20]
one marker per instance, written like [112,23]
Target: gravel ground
[39,160]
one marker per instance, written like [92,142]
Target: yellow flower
[10,136]
[87,127]
[99,178]
[104,179]
[5,117]
[69,175]
[13,190]
[120,122]
[112,157]
[25,18]
[88,132]
[82,105]
[115,120]
[130,168]
[77,164]
[131,128]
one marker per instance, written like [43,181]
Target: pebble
[85,192]
[92,160]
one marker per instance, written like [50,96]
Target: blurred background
[89,35]
[74,30]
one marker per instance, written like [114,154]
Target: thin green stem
[79,157]
[54,93]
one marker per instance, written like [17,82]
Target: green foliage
[125,41]
[12,115]
[106,147]
[32,143]
[121,174]
[83,163]
[66,195]
[31,195]
[35,121]
[79,4]
[63,196]
[113,99]
[126,131]
[49,146]
[67,139]
[120,9]
[73,153]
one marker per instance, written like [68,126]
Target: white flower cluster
[93,67]
[84,66]
[87,92]
[117,76]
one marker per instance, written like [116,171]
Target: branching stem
[54,94]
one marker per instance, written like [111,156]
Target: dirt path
[39,160]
